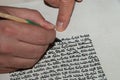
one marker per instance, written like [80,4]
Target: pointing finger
[65,12]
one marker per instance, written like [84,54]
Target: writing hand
[65,11]
[22,45]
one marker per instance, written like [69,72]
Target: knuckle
[41,52]
[43,39]
[5,61]
[38,52]
[52,35]
[5,48]
[7,29]
[35,53]
[26,65]
[20,63]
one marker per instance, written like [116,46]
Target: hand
[65,11]
[22,45]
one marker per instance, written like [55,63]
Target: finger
[16,63]
[65,12]
[17,48]
[31,14]
[27,33]
[52,3]
[55,3]
[6,70]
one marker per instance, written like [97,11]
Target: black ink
[72,59]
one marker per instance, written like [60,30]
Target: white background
[99,18]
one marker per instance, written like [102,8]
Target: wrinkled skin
[65,11]
[22,45]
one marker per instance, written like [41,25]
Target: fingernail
[59,26]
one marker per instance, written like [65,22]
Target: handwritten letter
[72,59]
